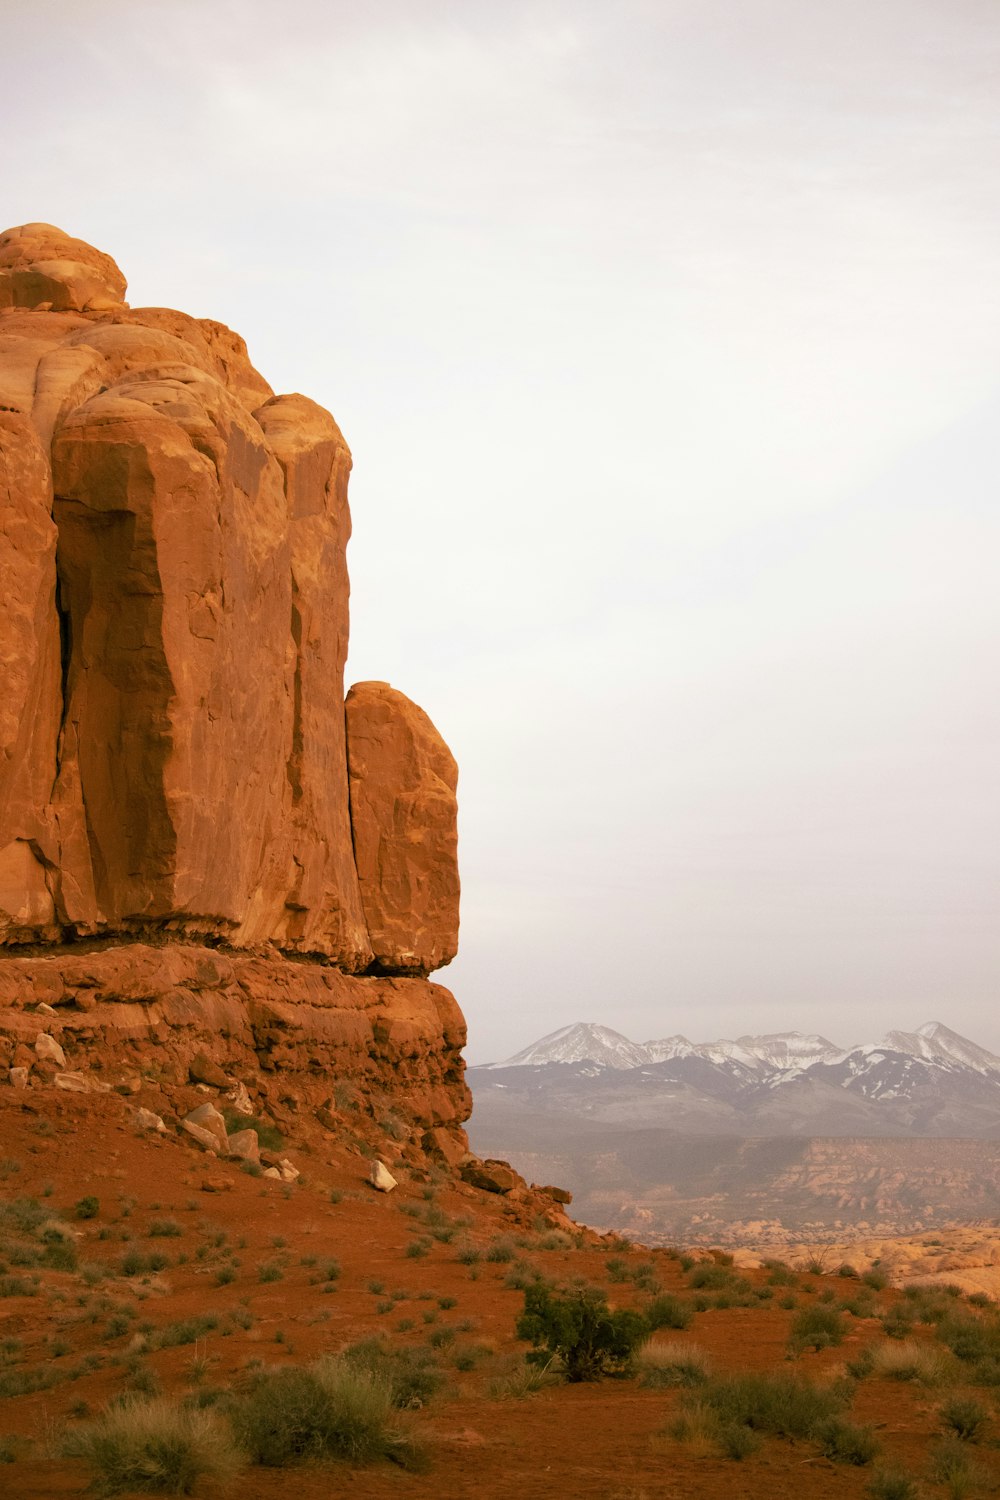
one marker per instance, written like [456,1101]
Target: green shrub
[891,1484]
[710,1277]
[153,1446]
[501,1250]
[907,1359]
[819,1327]
[577,1327]
[876,1279]
[965,1417]
[666,1311]
[331,1410]
[164,1229]
[268,1134]
[781,1403]
[87,1208]
[518,1380]
[897,1323]
[953,1467]
[847,1443]
[134,1263]
[411,1375]
[677,1364]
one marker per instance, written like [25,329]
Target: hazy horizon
[666,338]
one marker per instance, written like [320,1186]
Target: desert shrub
[153,1446]
[848,1270]
[891,1484]
[819,1327]
[270,1270]
[501,1250]
[929,1304]
[135,1263]
[846,1442]
[88,1207]
[780,1403]
[702,1430]
[577,1327]
[876,1279]
[411,1375]
[897,1323]
[965,1417]
[164,1229]
[860,1305]
[18,1286]
[953,1467]
[666,1311]
[329,1410]
[710,1277]
[909,1360]
[616,1268]
[267,1133]
[970,1338]
[185,1331]
[677,1364]
[518,1380]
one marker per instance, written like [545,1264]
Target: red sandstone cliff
[200,846]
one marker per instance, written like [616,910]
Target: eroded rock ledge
[177,768]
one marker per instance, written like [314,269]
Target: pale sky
[666,337]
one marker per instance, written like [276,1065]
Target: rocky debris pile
[210,868]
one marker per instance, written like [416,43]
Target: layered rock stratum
[200,847]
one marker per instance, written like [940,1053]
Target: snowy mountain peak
[584,1041]
[773,1056]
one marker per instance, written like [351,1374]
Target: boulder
[47,1049]
[244,1145]
[207,1117]
[202,1069]
[207,1139]
[381,1178]
[491,1176]
[557,1194]
[18,1078]
[145,1119]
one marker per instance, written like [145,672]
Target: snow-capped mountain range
[931,1081]
[786,1052]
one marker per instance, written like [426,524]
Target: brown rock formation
[173,740]
[404,812]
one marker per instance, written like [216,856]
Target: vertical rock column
[404,816]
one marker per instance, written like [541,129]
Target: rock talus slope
[177,769]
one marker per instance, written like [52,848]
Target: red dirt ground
[603,1440]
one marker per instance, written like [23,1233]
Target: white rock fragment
[381,1178]
[145,1119]
[240,1099]
[271,1172]
[18,1078]
[73,1083]
[47,1049]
